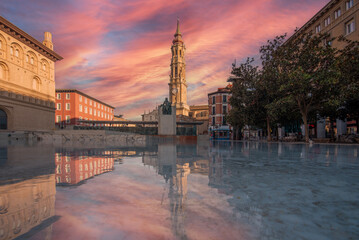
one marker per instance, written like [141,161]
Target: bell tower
[178,85]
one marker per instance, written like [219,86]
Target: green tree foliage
[276,110]
[301,78]
[308,74]
[244,100]
[348,64]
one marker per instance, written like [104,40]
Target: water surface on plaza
[220,190]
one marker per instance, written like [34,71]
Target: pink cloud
[119,51]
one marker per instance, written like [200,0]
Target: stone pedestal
[341,127]
[167,122]
[321,128]
[281,132]
[302,127]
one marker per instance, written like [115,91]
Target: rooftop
[83,94]
[25,38]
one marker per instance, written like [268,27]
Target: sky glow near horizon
[119,51]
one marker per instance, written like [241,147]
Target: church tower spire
[177,84]
[178,29]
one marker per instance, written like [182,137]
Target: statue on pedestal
[166,107]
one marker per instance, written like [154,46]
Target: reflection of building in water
[216,164]
[72,168]
[200,166]
[27,189]
[215,170]
[26,204]
[175,164]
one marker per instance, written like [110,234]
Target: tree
[307,73]
[244,100]
[271,55]
[348,65]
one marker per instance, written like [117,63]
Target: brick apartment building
[219,107]
[73,105]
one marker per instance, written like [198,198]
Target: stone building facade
[151,115]
[27,80]
[200,113]
[338,18]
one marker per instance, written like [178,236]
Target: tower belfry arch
[177,84]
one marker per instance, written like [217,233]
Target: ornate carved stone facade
[178,85]
[27,80]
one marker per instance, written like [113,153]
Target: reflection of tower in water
[175,163]
[177,195]
[176,175]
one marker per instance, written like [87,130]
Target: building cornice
[26,39]
[319,14]
[83,94]
[219,91]
[24,99]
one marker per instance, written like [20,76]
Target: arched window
[36,84]
[3,119]
[31,59]
[17,51]
[3,46]
[3,71]
[45,65]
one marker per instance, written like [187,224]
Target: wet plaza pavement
[219,190]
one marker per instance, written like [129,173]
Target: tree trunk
[305,121]
[269,137]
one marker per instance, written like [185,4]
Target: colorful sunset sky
[118,51]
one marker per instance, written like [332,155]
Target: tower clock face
[174,91]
